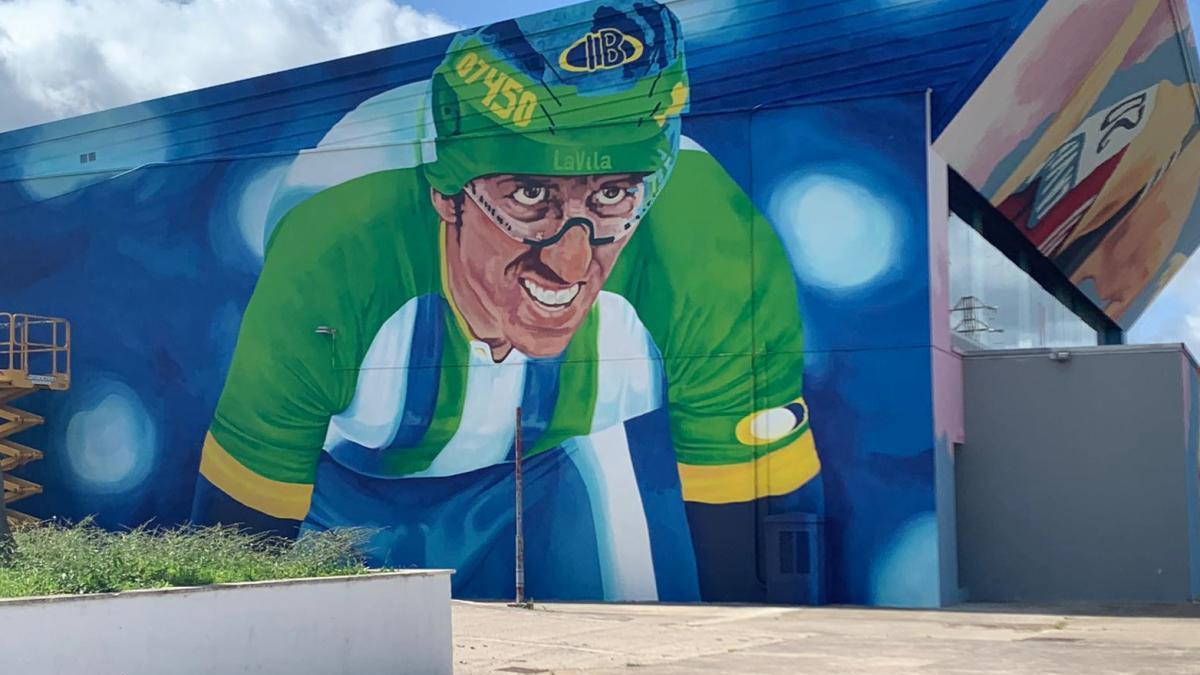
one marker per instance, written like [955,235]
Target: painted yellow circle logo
[773,424]
[601,50]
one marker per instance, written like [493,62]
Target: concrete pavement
[594,639]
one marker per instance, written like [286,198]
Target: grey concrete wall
[1192,386]
[1072,483]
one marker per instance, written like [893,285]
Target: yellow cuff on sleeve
[778,473]
[274,498]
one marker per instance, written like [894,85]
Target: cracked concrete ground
[593,639]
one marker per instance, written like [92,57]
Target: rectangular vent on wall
[794,555]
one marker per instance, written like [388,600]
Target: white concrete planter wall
[395,622]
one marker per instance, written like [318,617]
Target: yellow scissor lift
[35,354]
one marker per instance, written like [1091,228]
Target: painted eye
[610,195]
[530,195]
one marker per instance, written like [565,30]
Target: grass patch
[54,559]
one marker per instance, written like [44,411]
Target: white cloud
[60,58]
[1174,316]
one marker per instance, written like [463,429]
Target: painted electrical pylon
[35,355]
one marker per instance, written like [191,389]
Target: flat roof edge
[1173,347]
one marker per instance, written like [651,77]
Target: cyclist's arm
[713,284]
[285,381]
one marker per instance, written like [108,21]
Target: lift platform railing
[35,354]
[35,351]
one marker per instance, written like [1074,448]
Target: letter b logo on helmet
[541,95]
[605,48]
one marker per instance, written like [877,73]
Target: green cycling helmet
[597,91]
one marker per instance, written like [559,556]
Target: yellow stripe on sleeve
[783,471]
[274,498]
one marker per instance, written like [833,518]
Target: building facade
[704,263]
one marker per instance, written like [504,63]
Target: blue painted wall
[816,111]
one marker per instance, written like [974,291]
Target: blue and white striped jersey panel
[618,515]
[629,381]
[372,418]
[629,384]
[488,426]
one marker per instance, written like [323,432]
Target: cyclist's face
[534,252]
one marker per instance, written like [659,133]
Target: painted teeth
[549,297]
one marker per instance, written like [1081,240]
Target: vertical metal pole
[5,537]
[9,345]
[25,346]
[519,525]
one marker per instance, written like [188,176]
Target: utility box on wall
[1078,477]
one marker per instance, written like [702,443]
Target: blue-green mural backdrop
[321,305]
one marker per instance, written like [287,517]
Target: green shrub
[52,559]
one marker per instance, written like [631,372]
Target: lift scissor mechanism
[35,355]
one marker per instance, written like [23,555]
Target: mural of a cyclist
[561,250]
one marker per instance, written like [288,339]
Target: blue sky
[469,13]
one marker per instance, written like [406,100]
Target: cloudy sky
[60,58]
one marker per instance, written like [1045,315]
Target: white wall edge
[386,622]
